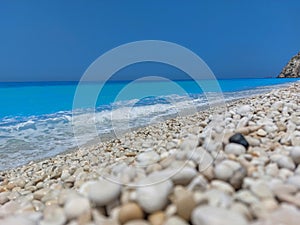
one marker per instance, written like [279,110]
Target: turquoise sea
[36,118]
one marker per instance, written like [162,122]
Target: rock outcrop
[292,69]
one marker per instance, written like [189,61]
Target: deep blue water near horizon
[37,98]
[36,117]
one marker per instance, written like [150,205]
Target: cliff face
[292,69]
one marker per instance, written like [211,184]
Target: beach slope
[237,166]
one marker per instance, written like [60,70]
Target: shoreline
[66,144]
[253,185]
[110,136]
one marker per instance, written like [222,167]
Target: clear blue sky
[58,40]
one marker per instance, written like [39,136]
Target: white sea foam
[36,137]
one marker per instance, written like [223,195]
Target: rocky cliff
[292,69]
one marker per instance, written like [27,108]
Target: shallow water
[36,118]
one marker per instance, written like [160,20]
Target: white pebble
[236,149]
[295,154]
[184,176]
[76,206]
[101,192]
[286,162]
[223,171]
[209,215]
[244,110]
[153,191]
[175,220]
[147,158]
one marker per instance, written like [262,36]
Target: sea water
[37,119]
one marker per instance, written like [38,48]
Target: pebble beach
[238,166]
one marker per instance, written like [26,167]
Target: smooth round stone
[101,192]
[184,202]
[175,220]
[153,192]
[261,189]
[286,162]
[261,133]
[130,211]
[147,158]
[253,141]
[76,207]
[184,175]
[236,149]
[157,218]
[233,164]
[223,171]
[210,215]
[295,154]
[223,186]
